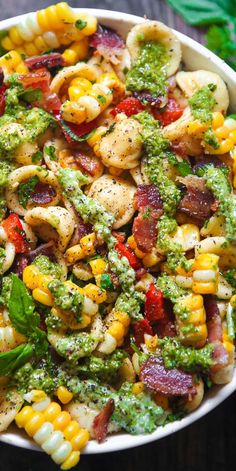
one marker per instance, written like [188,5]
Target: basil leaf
[21,308]
[183,167]
[9,361]
[233,116]
[203,12]
[74,136]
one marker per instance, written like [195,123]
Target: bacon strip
[90,165]
[101,421]
[54,59]
[108,43]
[172,382]
[42,194]
[215,333]
[148,202]
[198,204]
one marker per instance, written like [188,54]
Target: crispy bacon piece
[204,160]
[2,99]
[140,273]
[43,193]
[1,76]
[90,165]
[149,99]
[147,195]
[215,333]
[179,148]
[101,421]
[149,204]
[173,382]
[108,43]
[198,204]
[50,61]
[51,103]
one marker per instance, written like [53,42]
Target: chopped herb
[80,24]
[51,152]
[26,189]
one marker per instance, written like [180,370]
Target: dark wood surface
[209,444]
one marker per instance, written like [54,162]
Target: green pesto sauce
[210,138]
[93,212]
[47,267]
[5,290]
[66,298]
[219,184]
[148,73]
[202,103]
[135,414]
[230,276]
[157,148]
[104,369]
[26,189]
[76,346]
[175,355]
[169,288]
[5,170]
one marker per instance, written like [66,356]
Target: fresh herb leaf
[10,361]
[183,167]
[51,152]
[74,136]
[232,116]
[37,157]
[220,40]
[203,12]
[23,316]
[80,24]
[26,189]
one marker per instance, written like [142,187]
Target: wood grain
[207,445]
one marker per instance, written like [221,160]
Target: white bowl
[195,56]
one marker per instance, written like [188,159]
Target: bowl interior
[195,56]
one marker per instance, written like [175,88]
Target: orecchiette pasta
[122,147]
[155,31]
[21,175]
[117,230]
[52,223]
[116,195]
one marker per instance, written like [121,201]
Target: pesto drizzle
[93,212]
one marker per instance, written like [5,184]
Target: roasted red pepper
[171,113]
[75,132]
[15,233]
[40,79]
[140,328]
[154,304]
[129,254]
[129,106]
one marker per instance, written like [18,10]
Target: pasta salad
[117,231]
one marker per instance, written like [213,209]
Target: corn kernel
[30,276]
[232,136]
[43,281]
[217,120]
[150,259]
[62,420]
[24,416]
[64,395]
[71,430]
[73,112]
[197,127]
[95,293]
[80,440]
[42,297]
[122,317]
[98,266]
[222,132]
[96,137]
[117,330]
[71,461]
[138,388]
[132,242]
[75,253]
[209,287]
[34,423]
[87,244]
[52,411]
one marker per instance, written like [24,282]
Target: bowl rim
[122,441]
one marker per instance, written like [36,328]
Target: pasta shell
[116,195]
[122,147]
[190,82]
[9,406]
[85,415]
[155,31]
[52,223]
[81,69]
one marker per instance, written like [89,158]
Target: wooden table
[209,444]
